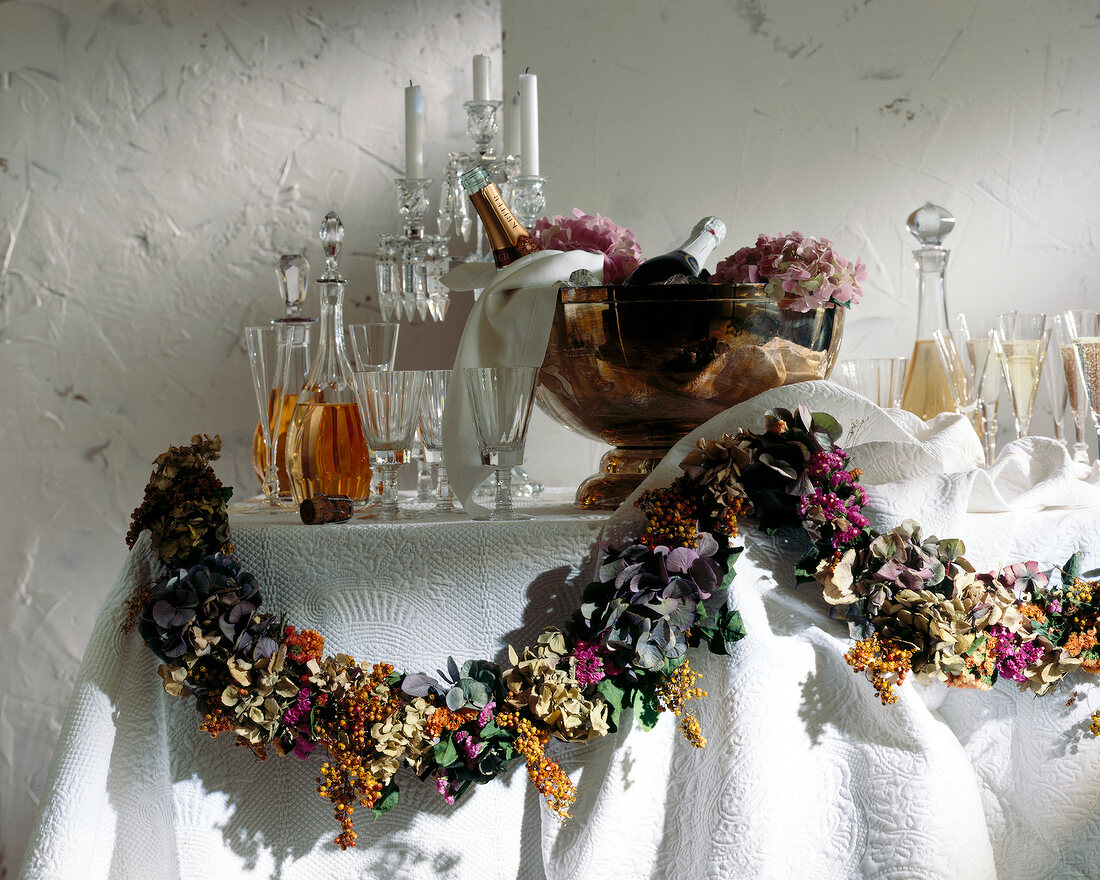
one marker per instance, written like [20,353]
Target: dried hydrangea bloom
[594,234]
[715,466]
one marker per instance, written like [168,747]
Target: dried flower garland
[913,602]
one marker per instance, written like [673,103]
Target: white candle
[529,125]
[414,133]
[481,77]
[511,127]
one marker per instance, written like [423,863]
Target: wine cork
[319,509]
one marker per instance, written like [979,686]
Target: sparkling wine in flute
[508,238]
[1022,362]
[927,387]
[1073,380]
[687,259]
[1088,355]
[327,452]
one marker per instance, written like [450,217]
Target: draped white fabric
[804,774]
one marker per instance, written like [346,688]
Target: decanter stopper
[332,234]
[292,272]
[930,224]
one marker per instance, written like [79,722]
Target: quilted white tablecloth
[805,774]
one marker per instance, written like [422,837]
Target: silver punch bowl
[639,367]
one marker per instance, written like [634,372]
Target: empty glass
[431,433]
[389,404]
[1022,346]
[966,362]
[269,348]
[501,398]
[1085,329]
[1065,328]
[978,336]
[373,345]
[878,379]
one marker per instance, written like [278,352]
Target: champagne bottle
[687,259]
[507,236]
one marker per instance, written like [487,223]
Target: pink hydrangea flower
[595,234]
[801,273]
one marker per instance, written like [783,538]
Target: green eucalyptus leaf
[455,699]
[492,731]
[476,693]
[444,752]
[613,695]
[1071,570]
[825,422]
[647,708]
[385,803]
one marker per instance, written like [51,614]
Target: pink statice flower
[833,506]
[1014,655]
[303,747]
[801,273]
[486,714]
[595,234]
[445,788]
[588,663]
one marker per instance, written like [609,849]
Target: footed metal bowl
[639,367]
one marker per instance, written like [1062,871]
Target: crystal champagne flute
[269,357]
[431,433]
[1064,330]
[977,332]
[389,404]
[501,399]
[1022,346]
[1085,333]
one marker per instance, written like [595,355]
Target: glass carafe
[927,386]
[326,451]
[292,274]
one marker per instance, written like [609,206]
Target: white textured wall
[155,158]
[836,118]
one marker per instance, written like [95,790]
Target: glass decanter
[326,451]
[292,275]
[927,384]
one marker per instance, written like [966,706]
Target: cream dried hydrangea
[551,694]
[258,695]
[400,738]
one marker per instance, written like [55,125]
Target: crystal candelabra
[410,265]
[525,194]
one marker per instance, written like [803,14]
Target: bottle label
[507,236]
[691,261]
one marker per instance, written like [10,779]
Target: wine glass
[431,433]
[269,357]
[389,403]
[977,330]
[373,344]
[878,379]
[1022,346]
[1084,327]
[1064,330]
[965,361]
[501,399]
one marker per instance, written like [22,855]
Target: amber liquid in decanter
[327,451]
[927,390]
